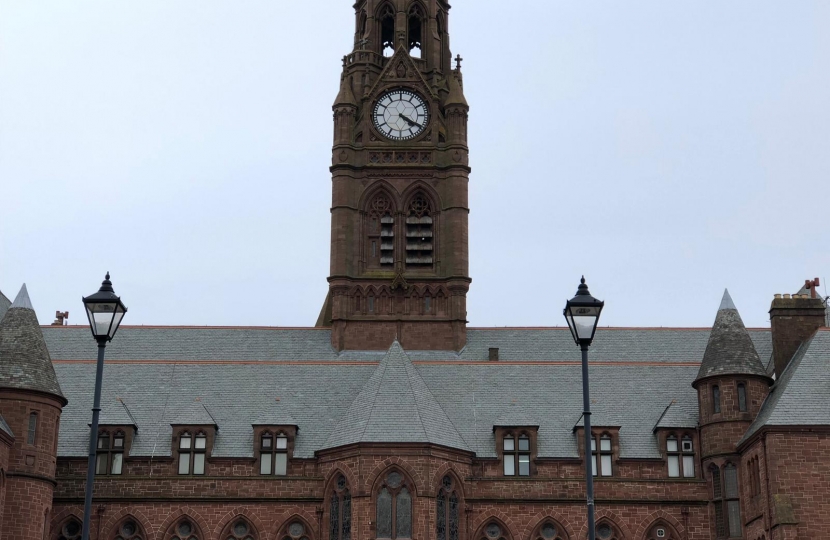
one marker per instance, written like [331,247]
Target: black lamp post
[582,313]
[105,311]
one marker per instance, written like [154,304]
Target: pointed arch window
[386,20]
[128,529]
[381,232]
[493,531]
[548,530]
[447,508]
[717,498]
[295,530]
[340,511]
[607,530]
[439,21]
[416,30]
[733,504]
[661,531]
[419,232]
[70,530]
[239,529]
[394,508]
[183,529]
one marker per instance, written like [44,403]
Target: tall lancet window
[380,241]
[340,511]
[419,233]
[394,508]
[386,20]
[416,31]
[446,510]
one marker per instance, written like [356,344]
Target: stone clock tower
[400,170]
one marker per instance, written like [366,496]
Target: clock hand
[410,121]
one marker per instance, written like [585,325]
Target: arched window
[295,530]
[439,21]
[394,507]
[381,233]
[742,397]
[662,531]
[716,399]
[680,456]
[128,529]
[549,530]
[607,530]
[32,435]
[386,20]
[70,530]
[717,498]
[239,529]
[493,531]
[447,508]
[419,233]
[733,504]
[416,30]
[340,511]
[183,529]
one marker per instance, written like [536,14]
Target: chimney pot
[777,296]
[494,354]
[787,296]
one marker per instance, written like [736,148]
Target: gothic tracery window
[549,530]
[295,530]
[381,237]
[129,529]
[416,26]
[419,232]
[386,19]
[340,511]
[239,529]
[394,507]
[183,529]
[70,530]
[447,508]
[606,530]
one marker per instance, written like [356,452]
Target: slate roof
[4,427]
[5,303]
[730,349]
[801,396]
[24,358]
[395,406]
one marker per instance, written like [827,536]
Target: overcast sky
[664,149]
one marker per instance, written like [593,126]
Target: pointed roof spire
[395,406]
[456,95]
[730,350]
[345,96]
[22,299]
[25,363]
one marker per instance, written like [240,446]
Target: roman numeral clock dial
[401,115]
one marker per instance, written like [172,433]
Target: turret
[731,387]
[30,403]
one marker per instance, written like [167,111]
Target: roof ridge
[383,365]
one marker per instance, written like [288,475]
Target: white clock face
[401,115]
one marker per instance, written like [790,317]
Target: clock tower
[400,171]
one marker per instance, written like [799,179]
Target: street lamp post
[582,313]
[105,311]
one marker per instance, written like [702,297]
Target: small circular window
[493,531]
[604,531]
[548,531]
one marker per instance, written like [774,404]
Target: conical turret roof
[345,96]
[456,95]
[395,406]
[25,363]
[730,350]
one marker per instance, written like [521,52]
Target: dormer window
[680,455]
[110,449]
[603,456]
[192,453]
[273,456]
[516,454]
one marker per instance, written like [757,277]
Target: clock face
[401,115]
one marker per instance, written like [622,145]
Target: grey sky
[665,149]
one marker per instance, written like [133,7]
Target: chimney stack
[494,354]
[794,319]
